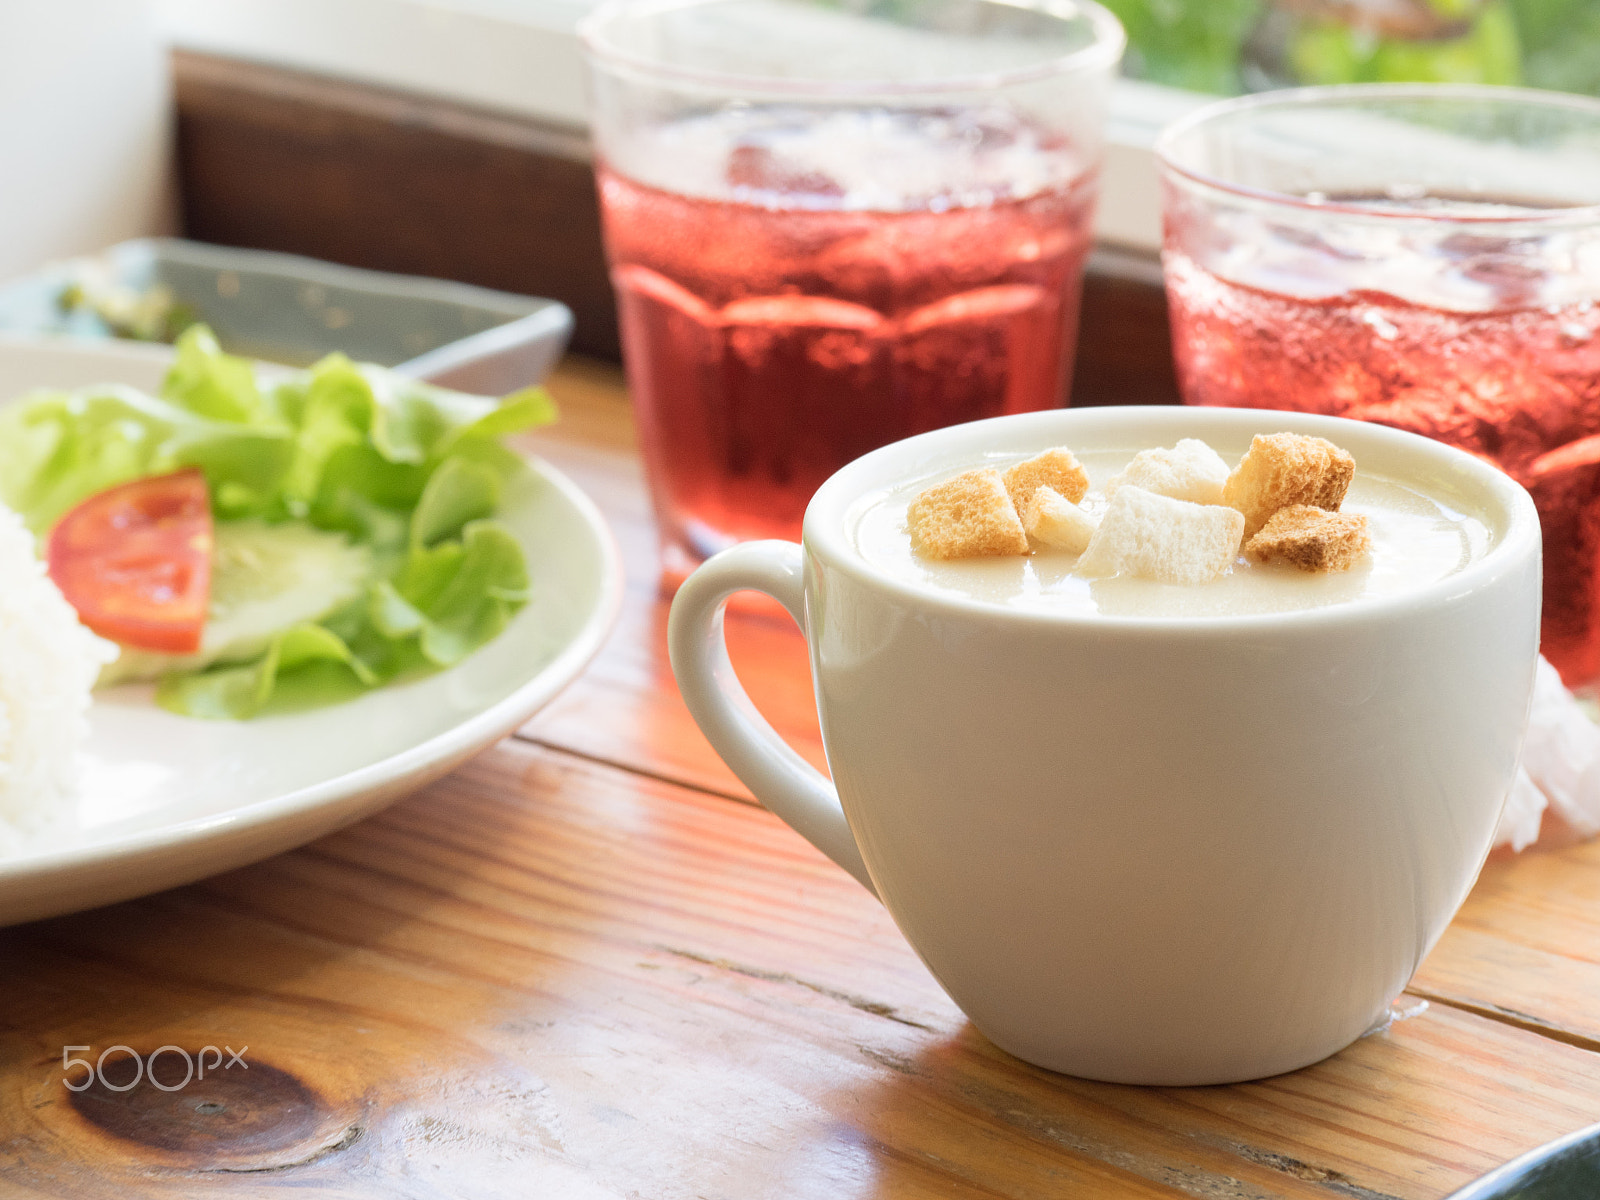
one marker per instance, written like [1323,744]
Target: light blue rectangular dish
[290,309]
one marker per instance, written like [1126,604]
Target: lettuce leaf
[58,448]
[243,690]
[414,471]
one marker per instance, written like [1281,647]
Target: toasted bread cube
[1191,470]
[1282,469]
[1051,518]
[1058,468]
[1311,538]
[966,517]
[1157,537]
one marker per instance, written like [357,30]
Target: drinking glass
[833,225]
[1427,257]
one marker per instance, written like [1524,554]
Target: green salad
[354,533]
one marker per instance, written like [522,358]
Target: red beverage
[1424,256]
[779,320]
[1514,380]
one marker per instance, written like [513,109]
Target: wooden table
[587,965]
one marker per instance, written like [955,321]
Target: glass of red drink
[1423,256]
[834,225]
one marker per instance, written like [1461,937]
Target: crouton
[1157,537]
[1057,468]
[1191,470]
[966,517]
[1282,469]
[1311,538]
[1051,518]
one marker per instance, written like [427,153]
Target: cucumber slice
[264,579]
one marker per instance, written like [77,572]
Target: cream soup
[1417,539]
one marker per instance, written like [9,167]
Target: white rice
[48,663]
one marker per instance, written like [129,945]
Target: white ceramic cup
[1161,851]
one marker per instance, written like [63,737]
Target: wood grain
[1125,335]
[626,710]
[576,967]
[1525,948]
[544,976]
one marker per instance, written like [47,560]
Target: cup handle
[790,787]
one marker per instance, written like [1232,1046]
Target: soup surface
[1417,539]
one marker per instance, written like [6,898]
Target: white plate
[170,799]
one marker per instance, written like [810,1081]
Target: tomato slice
[135,561]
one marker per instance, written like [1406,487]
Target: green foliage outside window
[1560,44]
[1229,46]
[1192,44]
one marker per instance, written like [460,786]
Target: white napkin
[1560,766]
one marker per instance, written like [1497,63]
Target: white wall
[84,127]
[519,56]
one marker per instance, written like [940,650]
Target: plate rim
[1492,1184]
[471,736]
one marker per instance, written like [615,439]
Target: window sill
[521,57]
